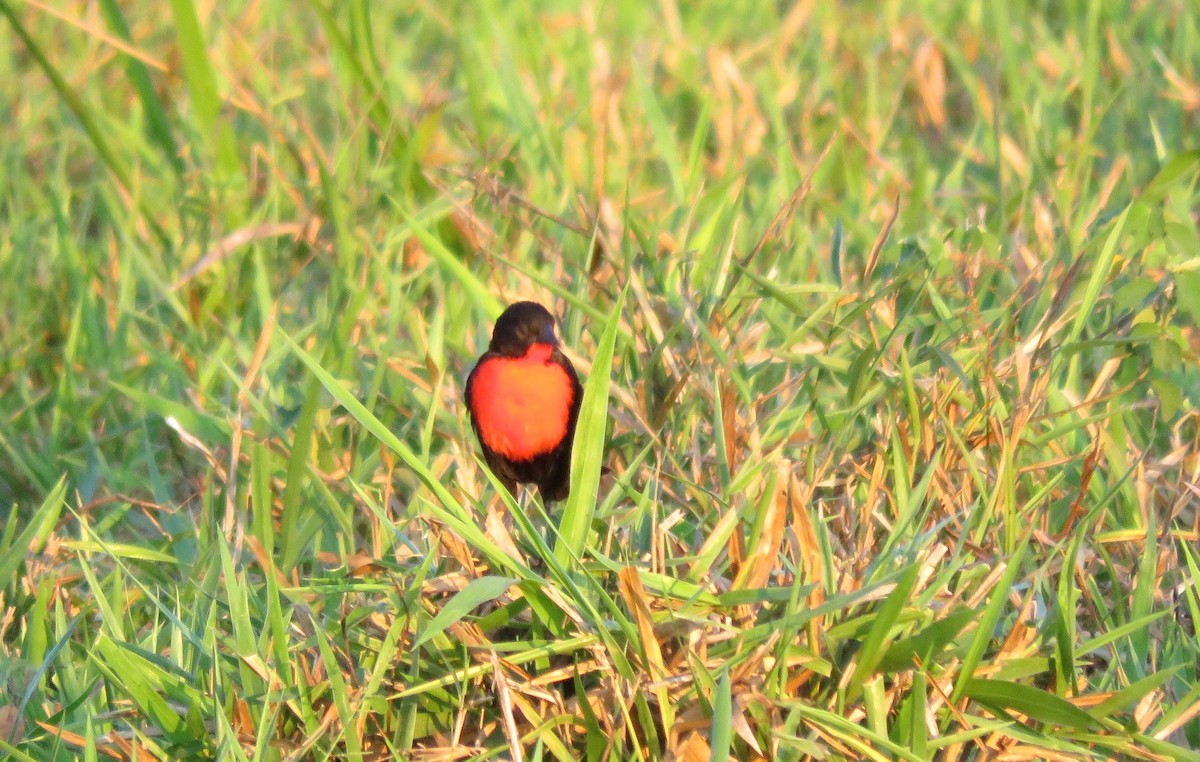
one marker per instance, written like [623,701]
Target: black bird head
[519,327]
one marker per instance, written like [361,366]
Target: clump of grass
[889,325]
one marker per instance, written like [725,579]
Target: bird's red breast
[522,404]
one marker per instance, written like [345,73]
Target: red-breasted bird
[523,397]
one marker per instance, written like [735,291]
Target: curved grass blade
[445,508]
[453,266]
[464,601]
[885,619]
[927,643]
[987,622]
[87,119]
[37,529]
[588,454]
[1033,702]
[158,124]
[1100,276]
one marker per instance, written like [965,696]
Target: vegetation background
[888,313]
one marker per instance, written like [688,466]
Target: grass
[889,323]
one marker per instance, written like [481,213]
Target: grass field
[889,316]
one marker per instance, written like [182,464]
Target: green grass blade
[587,457]
[1100,276]
[202,86]
[1033,702]
[872,650]
[158,124]
[446,508]
[87,118]
[38,528]
[721,735]
[477,591]
[989,619]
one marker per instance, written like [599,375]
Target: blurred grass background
[893,308]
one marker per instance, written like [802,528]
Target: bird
[523,398]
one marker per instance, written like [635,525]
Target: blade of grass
[446,508]
[37,529]
[476,592]
[158,124]
[201,82]
[587,457]
[720,739]
[1032,702]
[989,619]
[872,650]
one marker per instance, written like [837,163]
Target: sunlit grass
[895,312]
